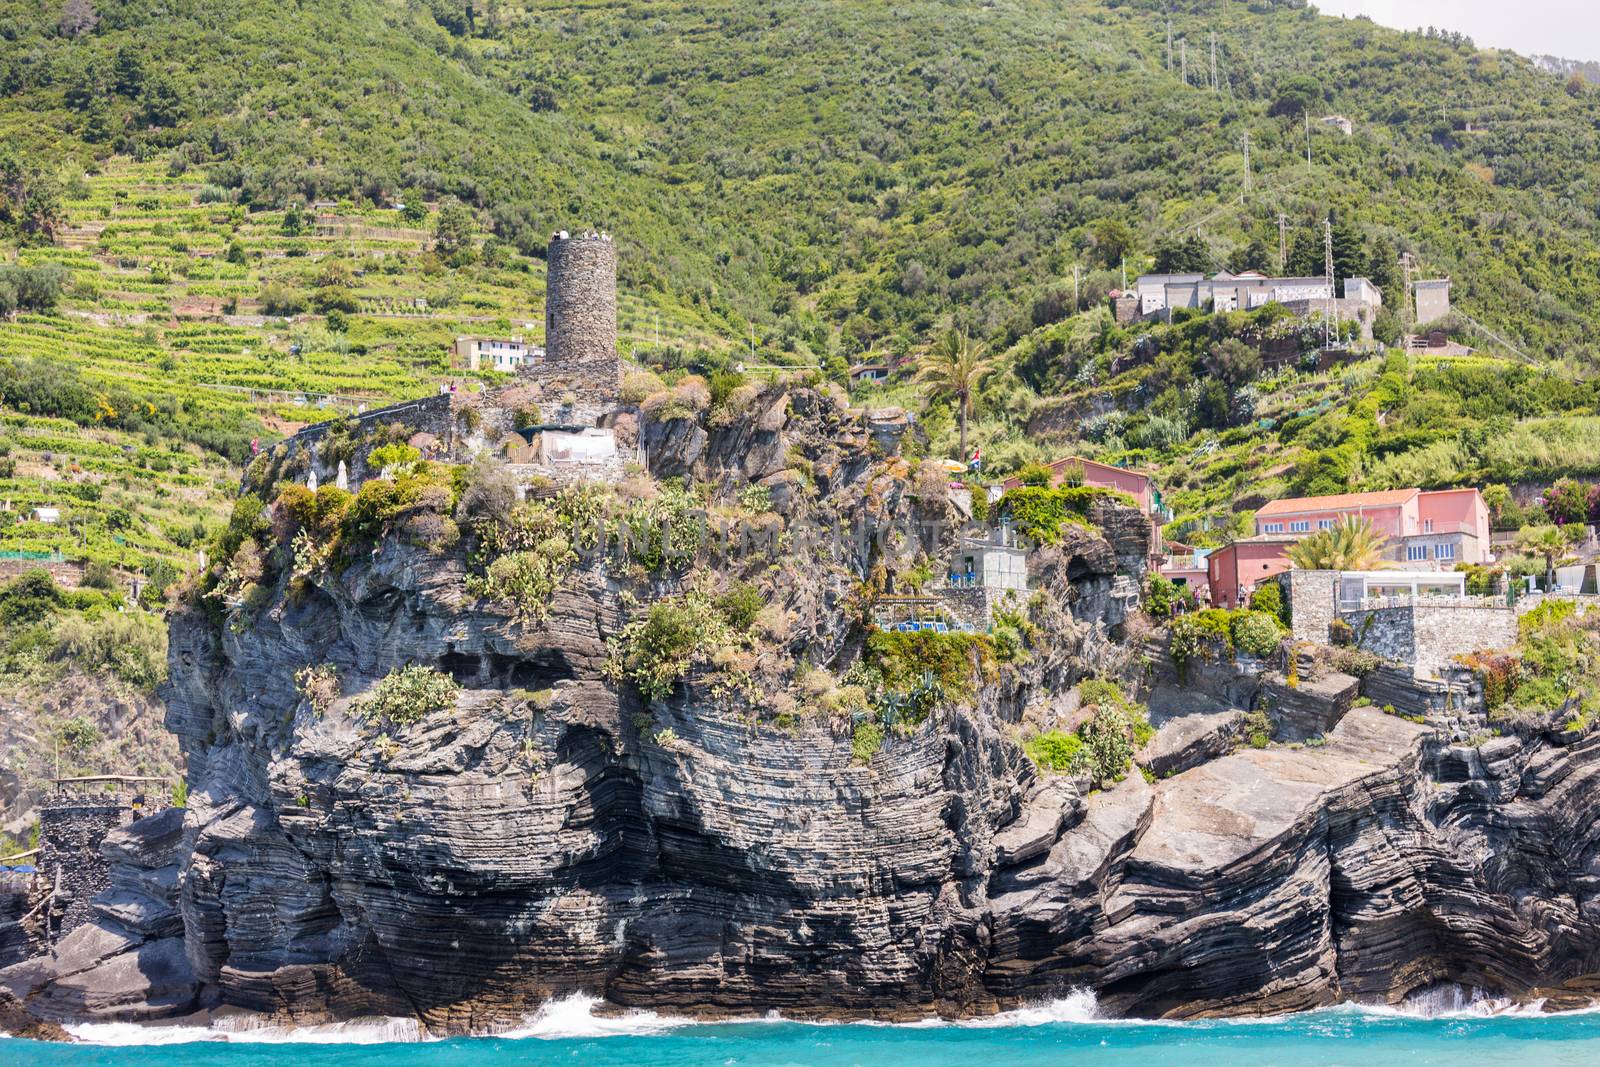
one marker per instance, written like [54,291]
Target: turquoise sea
[1341,1037]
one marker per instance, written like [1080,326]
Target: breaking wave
[574,1016]
[582,1016]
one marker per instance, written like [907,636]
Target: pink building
[1435,529]
[1233,571]
[1135,483]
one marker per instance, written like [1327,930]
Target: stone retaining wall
[1428,637]
[1312,599]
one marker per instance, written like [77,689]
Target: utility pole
[1327,269]
[1406,305]
[1169,44]
[1213,60]
[1183,52]
[1308,140]
[1246,164]
[1283,244]
[1124,273]
[1074,288]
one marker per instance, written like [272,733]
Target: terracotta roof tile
[1338,502]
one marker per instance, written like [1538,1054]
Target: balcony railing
[1378,603]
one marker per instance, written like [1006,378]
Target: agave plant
[1351,544]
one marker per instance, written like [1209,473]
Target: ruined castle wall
[70,832]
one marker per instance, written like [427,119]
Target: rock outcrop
[549,832]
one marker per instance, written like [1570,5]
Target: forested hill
[841,174]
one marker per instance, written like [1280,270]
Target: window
[1444,552]
[1416,552]
[1324,524]
[1427,526]
[1272,527]
[1300,526]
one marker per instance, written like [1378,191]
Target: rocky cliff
[733,846]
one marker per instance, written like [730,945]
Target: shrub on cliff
[865,741]
[488,494]
[1040,514]
[657,651]
[1256,633]
[1056,752]
[1203,635]
[526,580]
[638,385]
[131,645]
[394,458]
[955,663]
[406,695]
[1164,598]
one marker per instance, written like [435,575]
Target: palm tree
[1352,544]
[1550,543]
[953,369]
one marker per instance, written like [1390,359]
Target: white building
[995,562]
[1358,589]
[1228,292]
[495,353]
[46,515]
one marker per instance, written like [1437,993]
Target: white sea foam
[244,1029]
[575,1017]
[1079,1006]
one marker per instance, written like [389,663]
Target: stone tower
[580,318]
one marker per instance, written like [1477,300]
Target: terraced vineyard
[199,313]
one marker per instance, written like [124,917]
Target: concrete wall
[1433,301]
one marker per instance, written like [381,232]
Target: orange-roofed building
[1435,529]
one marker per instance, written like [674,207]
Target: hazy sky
[1566,28]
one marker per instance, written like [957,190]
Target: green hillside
[219,221]
[845,173]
